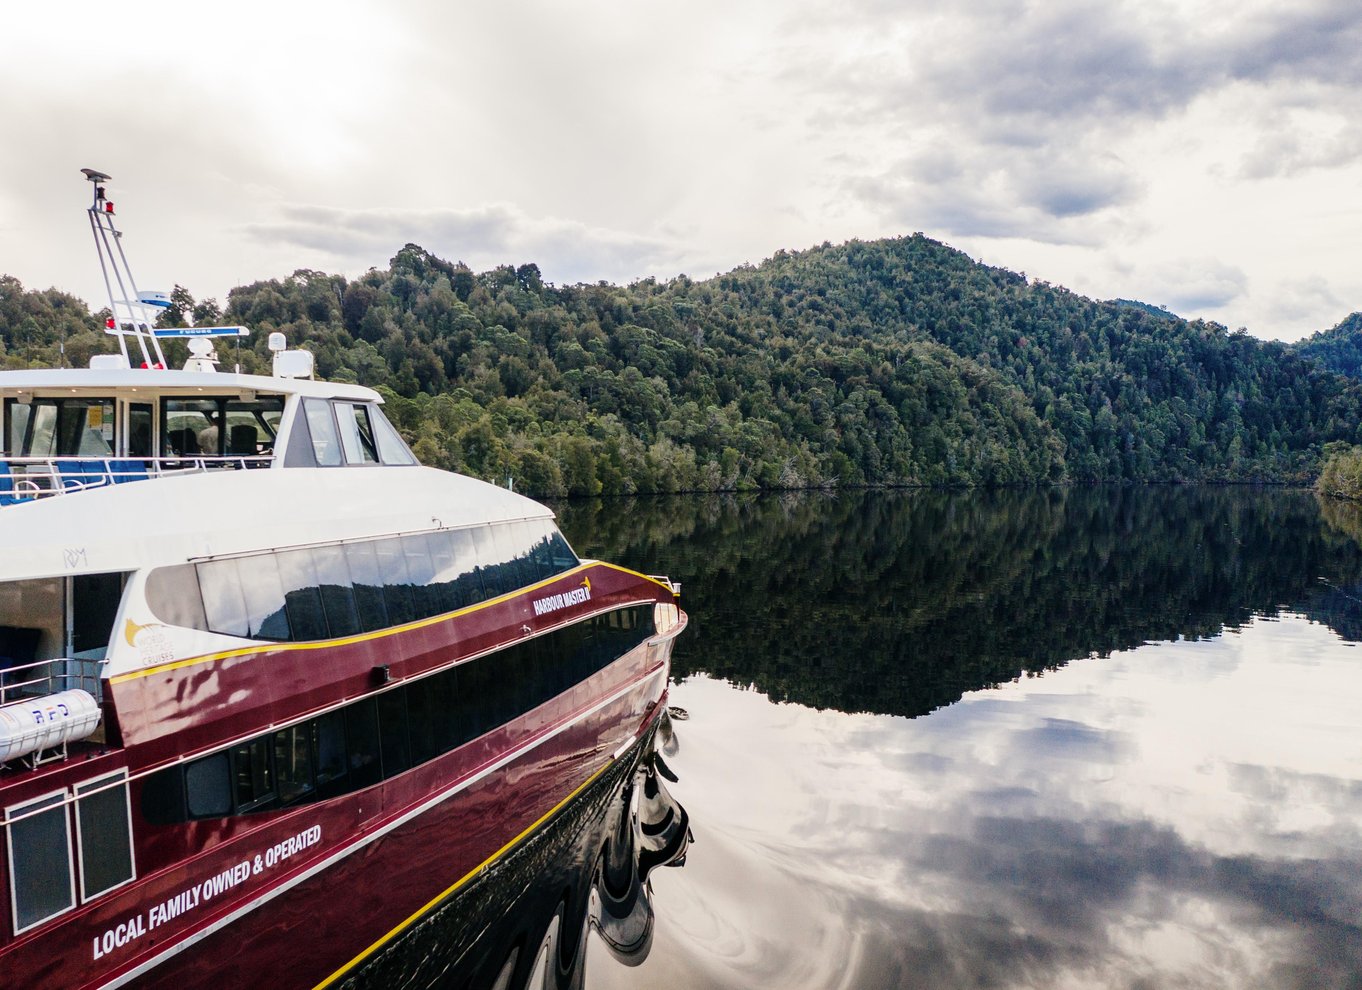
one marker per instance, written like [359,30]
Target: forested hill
[1339,349]
[889,362]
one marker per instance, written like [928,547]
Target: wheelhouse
[64,432]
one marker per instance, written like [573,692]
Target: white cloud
[620,140]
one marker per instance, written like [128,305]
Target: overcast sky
[1204,155]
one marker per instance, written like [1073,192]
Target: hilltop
[892,362]
[1338,349]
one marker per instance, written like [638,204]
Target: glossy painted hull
[300,897]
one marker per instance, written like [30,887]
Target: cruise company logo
[564,599]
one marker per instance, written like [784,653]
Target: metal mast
[132,316]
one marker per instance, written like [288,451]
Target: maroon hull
[185,706]
[304,894]
[325,925]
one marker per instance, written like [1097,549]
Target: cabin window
[208,787]
[253,774]
[264,594]
[356,433]
[42,883]
[368,584]
[302,594]
[224,603]
[391,448]
[190,427]
[328,734]
[220,427]
[140,436]
[293,762]
[397,586]
[343,589]
[326,446]
[61,428]
[362,744]
[174,596]
[428,595]
[491,569]
[465,573]
[104,834]
[434,716]
[337,593]
[392,729]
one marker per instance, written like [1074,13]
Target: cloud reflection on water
[1182,814]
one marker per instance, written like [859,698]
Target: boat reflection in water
[525,921]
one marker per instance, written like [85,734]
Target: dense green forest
[1338,349]
[893,362]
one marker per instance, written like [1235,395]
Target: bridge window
[220,427]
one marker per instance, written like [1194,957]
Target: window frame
[98,784]
[16,811]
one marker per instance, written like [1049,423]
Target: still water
[1081,738]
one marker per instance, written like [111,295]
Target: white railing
[27,478]
[44,677]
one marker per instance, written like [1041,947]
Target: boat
[527,925]
[272,693]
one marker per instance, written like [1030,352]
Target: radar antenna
[133,314]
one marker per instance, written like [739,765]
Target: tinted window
[368,584]
[163,796]
[541,551]
[443,592]
[338,597]
[362,744]
[105,834]
[293,762]
[40,860]
[426,597]
[174,597]
[263,591]
[433,716]
[496,578]
[392,730]
[208,787]
[397,587]
[253,774]
[302,595]
[513,541]
[329,753]
[468,587]
[224,604]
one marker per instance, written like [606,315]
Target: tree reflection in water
[899,602]
[886,796]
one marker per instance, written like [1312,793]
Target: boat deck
[27,479]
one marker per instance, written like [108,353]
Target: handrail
[25,479]
[44,677]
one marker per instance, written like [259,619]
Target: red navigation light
[108,206]
[109,323]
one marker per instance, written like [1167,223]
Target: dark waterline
[1085,737]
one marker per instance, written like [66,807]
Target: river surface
[1079,738]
